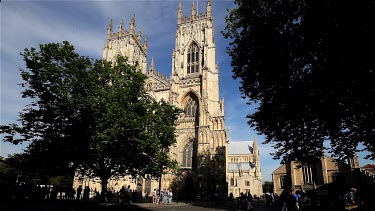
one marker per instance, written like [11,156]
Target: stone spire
[193,11]
[132,25]
[179,13]
[145,44]
[121,27]
[255,144]
[209,9]
[152,66]
[110,28]
[256,158]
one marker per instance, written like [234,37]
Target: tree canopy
[91,115]
[309,68]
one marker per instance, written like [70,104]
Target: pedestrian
[170,195]
[249,200]
[79,191]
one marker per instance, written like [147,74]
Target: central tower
[202,137]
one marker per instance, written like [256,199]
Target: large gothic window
[307,175]
[190,107]
[193,59]
[187,155]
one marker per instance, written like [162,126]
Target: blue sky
[26,24]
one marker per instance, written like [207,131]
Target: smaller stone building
[243,172]
[306,178]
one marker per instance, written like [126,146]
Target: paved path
[96,206]
[200,206]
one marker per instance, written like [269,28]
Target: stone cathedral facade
[193,85]
[244,172]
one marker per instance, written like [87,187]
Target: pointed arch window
[193,59]
[187,155]
[190,107]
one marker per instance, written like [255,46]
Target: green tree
[308,67]
[8,174]
[91,116]
[268,187]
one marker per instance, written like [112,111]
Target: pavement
[66,205]
[201,206]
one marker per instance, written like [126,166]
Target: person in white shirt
[154,196]
[170,195]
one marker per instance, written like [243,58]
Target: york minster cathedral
[193,85]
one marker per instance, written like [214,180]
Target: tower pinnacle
[109,29]
[152,66]
[255,144]
[132,25]
[145,44]
[209,9]
[121,27]
[179,13]
[193,11]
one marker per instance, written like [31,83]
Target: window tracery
[190,107]
[187,155]
[193,59]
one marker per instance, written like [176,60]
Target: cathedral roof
[240,148]
[244,166]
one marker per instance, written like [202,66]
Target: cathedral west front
[193,85]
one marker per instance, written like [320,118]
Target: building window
[307,175]
[190,107]
[187,155]
[193,59]
[232,181]
[284,182]
[247,183]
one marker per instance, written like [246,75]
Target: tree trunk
[103,195]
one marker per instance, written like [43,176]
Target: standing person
[122,195]
[350,199]
[249,199]
[284,197]
[170,195]
[86,193]
[242,201]
[305,202]
[154,196]
[231,196]
[79,191]
[297,196]
[292,201]
[158,198]
[272,200]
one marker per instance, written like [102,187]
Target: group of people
[292,200]
[125,195]
[79,196]
[163,197]
[352,200]
[246,200]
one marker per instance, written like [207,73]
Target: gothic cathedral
[193,86]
